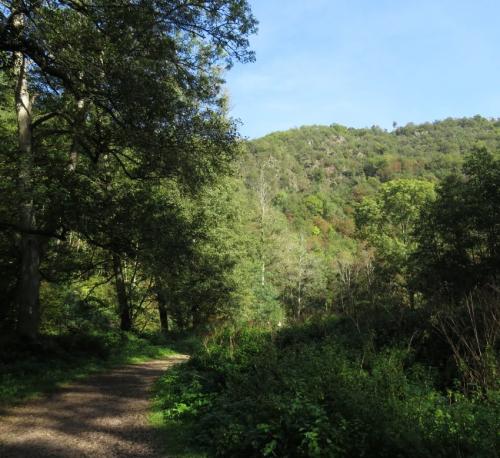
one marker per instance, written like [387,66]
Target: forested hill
[314,156]
[322,170]
[304,185]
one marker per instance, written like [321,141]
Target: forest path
[106,415]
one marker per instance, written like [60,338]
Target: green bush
[305,393]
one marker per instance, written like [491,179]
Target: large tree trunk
[121,294]
[28,302]
[163,312]
[198,319]
[29,288]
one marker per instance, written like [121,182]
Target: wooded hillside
[371,325]
[306,184]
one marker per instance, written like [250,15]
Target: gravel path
[104,416]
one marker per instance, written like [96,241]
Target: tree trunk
[163,312]
[29,288]
[198,319]
[121,294]
[28,301]
[79,119]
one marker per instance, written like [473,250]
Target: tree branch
[42,232]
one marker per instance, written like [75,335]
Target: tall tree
[459,234]
[387,221]
[100,85]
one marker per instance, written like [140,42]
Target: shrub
[305,393]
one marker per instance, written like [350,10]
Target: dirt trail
[104,416]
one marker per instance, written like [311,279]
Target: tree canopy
[106,94]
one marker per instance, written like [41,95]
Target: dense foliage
[317,390]
[334,213]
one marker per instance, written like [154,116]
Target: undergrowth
[309,391]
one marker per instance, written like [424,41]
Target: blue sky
[366,62]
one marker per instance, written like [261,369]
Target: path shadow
[104,416]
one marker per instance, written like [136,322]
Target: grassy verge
[174,435]
[27,371]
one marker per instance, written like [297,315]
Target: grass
[28,373]
[174,436]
